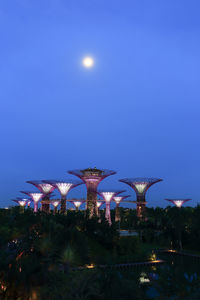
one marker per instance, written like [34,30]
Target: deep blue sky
[137,111]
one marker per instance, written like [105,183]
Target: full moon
[88,62]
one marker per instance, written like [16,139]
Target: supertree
[178,202]
[117,200]
[36,197]
[99,204]
[22,203]
[178,221]
[77,204]
[140,186]
[108,197]
[55,204]
[64,186]
[92,177]
[46,189]
[28,200]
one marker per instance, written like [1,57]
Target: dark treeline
[41,254]
[171,227]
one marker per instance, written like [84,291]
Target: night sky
[137,111]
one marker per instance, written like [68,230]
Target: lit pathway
[122,266]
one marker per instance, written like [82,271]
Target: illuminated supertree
[92,177]
[46,189]
[64,186]
[178,202]
[55,204]
[22,203]
[77,204]
[179,218]
[99,204]
[28,200]
[140,186]
[108,197]
[36,197]
[117,200]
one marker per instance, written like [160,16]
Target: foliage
[44,256]
[40,252]
[170,227]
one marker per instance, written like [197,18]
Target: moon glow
[88,62]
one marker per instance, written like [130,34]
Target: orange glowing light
[90,266]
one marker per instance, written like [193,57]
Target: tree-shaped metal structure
[77,203]
[22,204]
[36,197]
[46,189]
[92,177]
[99,204]
[108,197]
[28,200]
[140,186]
[63,186]
[55,204]
[117,200]
[178,202]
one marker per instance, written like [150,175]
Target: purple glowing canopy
[35,196]
[91,174]
[23,199]
[140,184]
[178,202]
[44,187]
[55,203]
[91,177]
[77,202]
[21,202]
[63,185]
[108,195]
[120,198]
